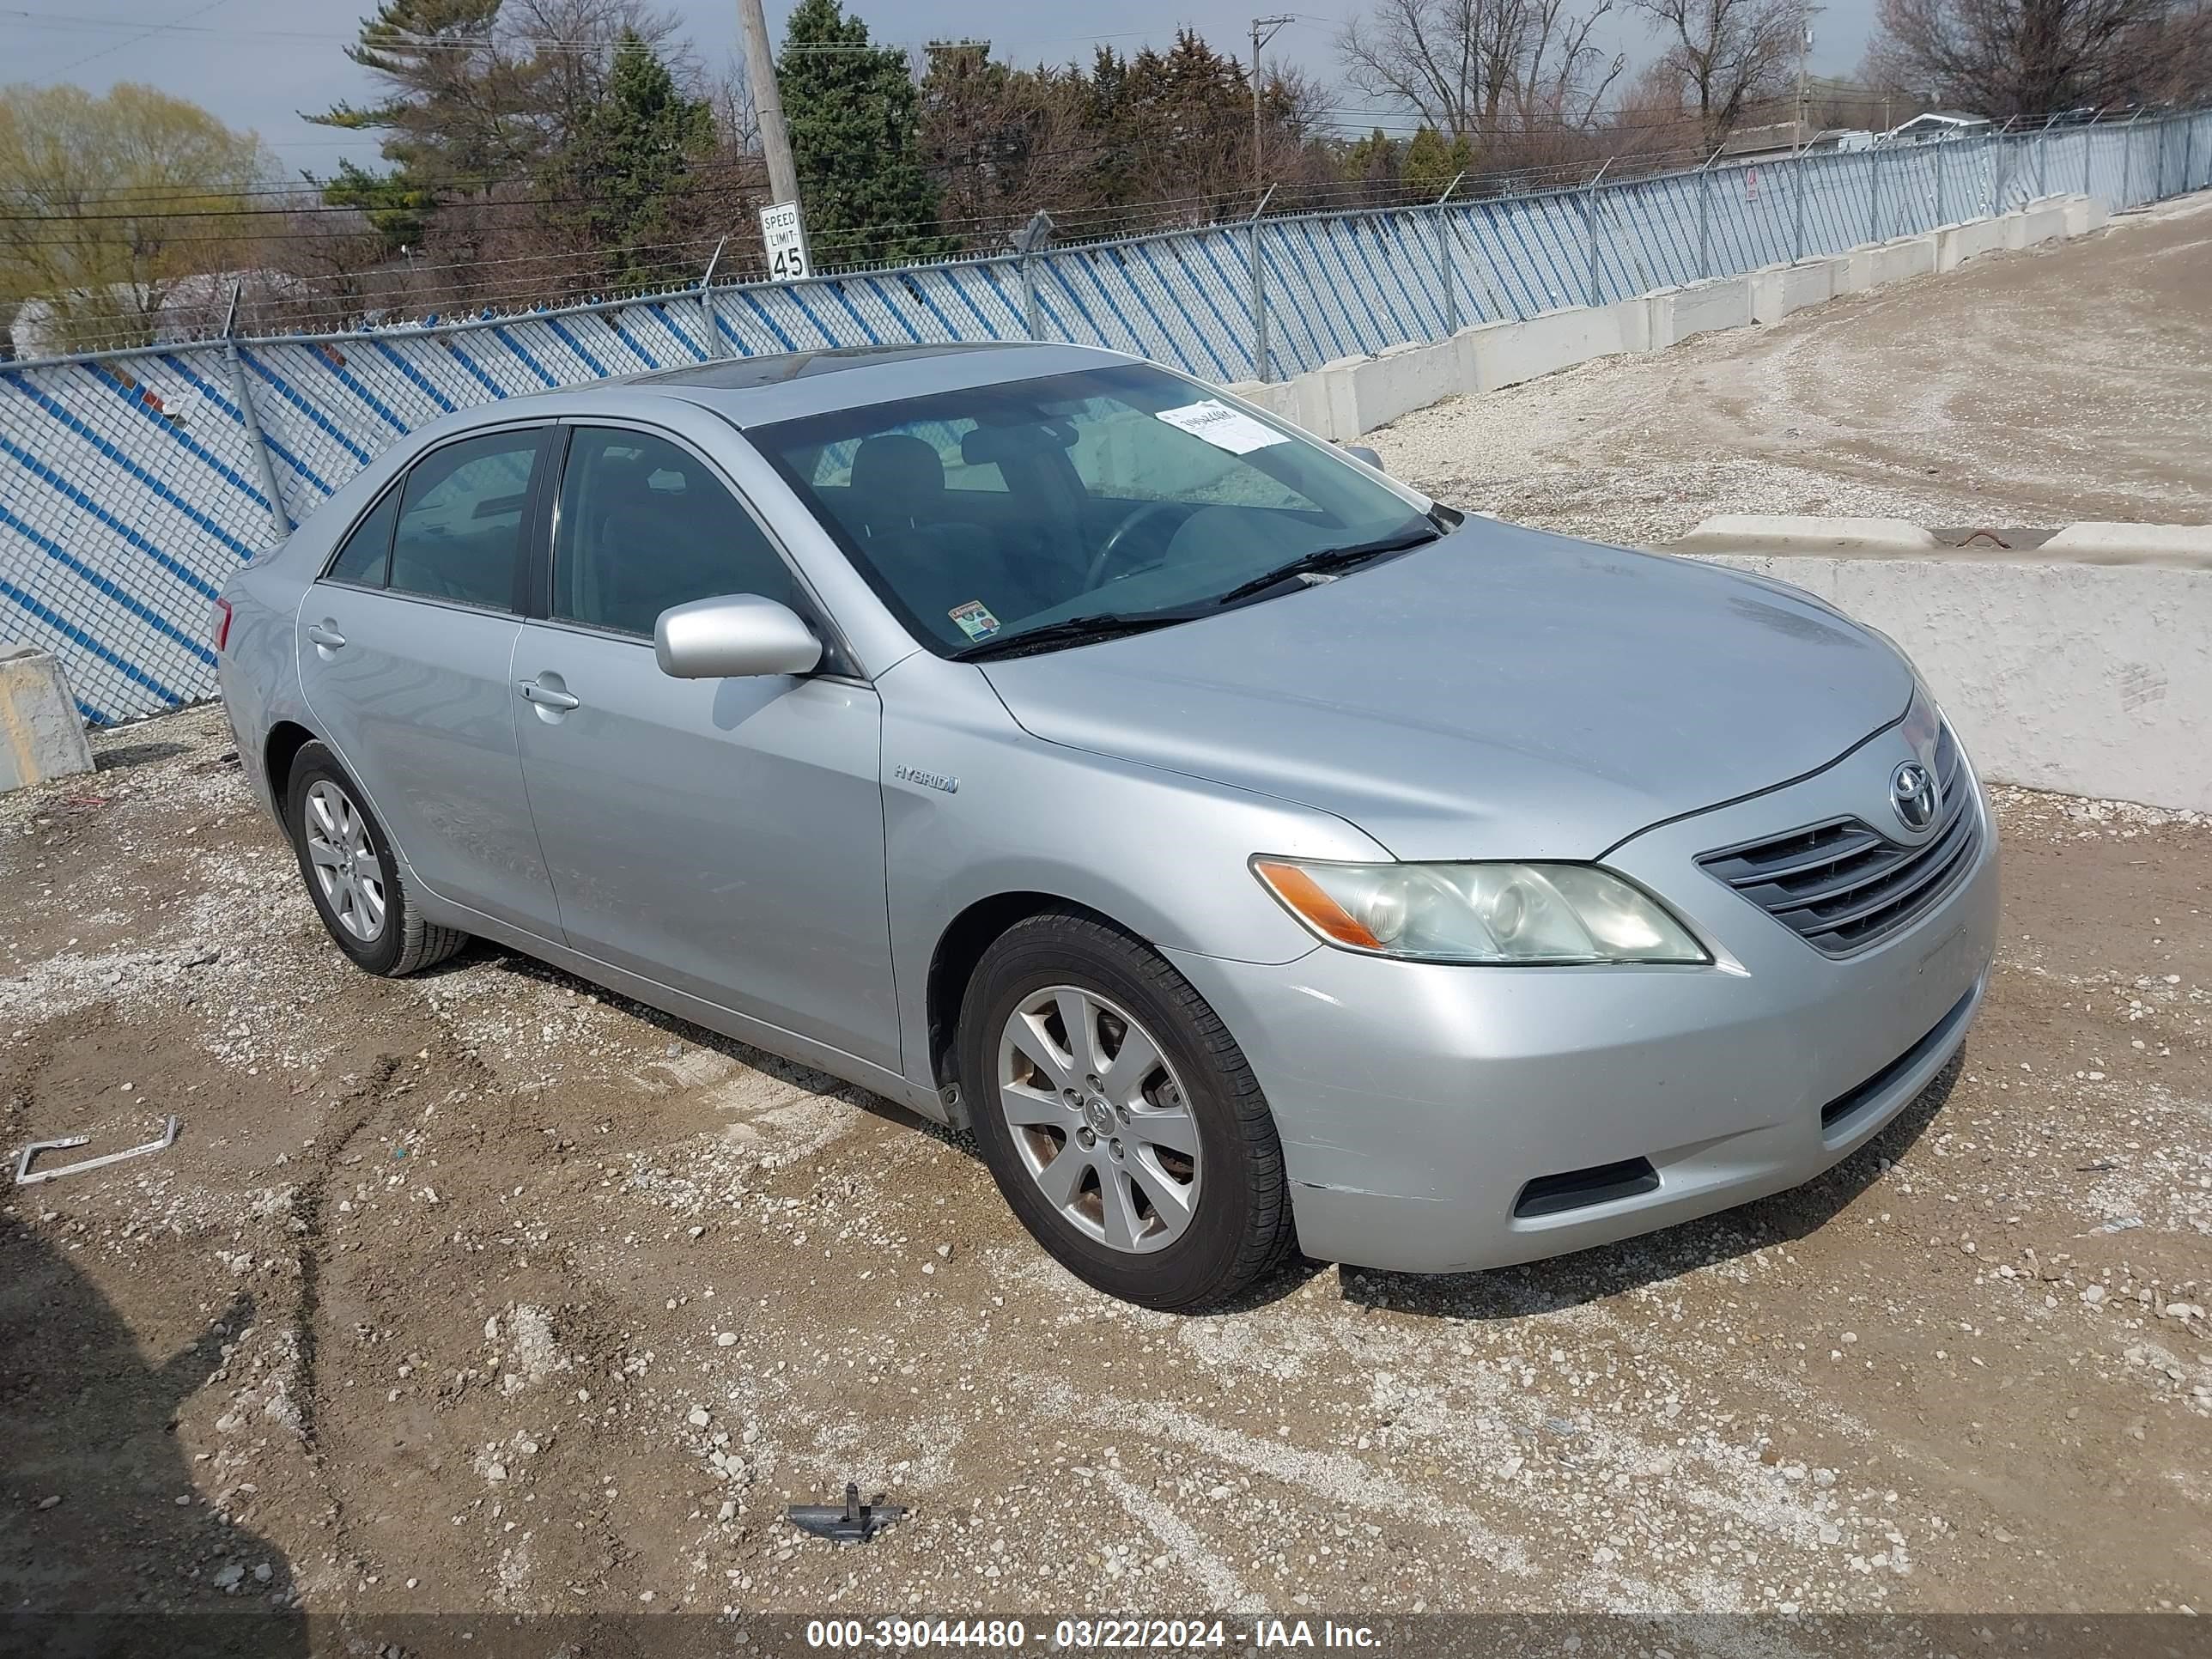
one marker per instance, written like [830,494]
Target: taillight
[219,623]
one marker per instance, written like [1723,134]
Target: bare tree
[1727,55]
[2029,58]
[1484,68]
[2178,53]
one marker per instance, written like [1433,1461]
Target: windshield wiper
[1072,630]
[1329,559]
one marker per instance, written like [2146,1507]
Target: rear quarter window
[365,557]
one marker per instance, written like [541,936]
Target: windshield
[983,514]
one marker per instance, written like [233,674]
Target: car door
[724,837]
[405,650]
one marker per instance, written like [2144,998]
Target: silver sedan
[1255,854]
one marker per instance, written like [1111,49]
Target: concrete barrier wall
[1676,314]
[2046,222]
[2090,680]
[1956,244]
[1904,257]
[1491,355]
[41,734]
[2085,214]
[1778,291]
[1342,399]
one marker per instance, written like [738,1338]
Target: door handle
[546,696]
[326,636]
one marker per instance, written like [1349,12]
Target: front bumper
[1417,1102]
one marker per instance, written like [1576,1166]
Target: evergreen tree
[629,165]
[455,115]
[1431,161]
[1373,161]
[853,111]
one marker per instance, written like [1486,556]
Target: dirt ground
[483,1292]
[2068,381]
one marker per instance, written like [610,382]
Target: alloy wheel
[344,861]
[1099,1119]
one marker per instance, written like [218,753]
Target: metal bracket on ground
[856,1522]
[24,1178]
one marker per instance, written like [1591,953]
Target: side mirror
[1362,453]
[734,637]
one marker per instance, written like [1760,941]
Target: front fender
[974,807]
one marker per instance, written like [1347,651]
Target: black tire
[1240,1228]
[406,943]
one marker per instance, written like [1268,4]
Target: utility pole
[1804,46]
[768,103]
[1274,25]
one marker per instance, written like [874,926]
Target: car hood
[1499,693]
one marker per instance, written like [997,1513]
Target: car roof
[756,391]
[759,391]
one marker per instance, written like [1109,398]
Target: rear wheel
[352,875]
[1119,1117]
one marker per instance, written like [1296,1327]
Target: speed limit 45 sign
[784,238]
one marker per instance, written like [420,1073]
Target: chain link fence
[133,482]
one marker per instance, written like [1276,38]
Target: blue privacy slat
[129,488]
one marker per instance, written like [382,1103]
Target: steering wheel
[1119,534]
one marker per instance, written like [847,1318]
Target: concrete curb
[1765,533]
[1353,395]
[2175,546]
[2188,545]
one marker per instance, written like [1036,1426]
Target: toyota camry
[1256,855]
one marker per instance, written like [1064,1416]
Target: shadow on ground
[107,1546]
[125,755]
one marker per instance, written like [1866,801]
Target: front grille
[1842,886]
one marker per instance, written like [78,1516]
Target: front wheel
[1120,1118]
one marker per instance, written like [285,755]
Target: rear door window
[460,530]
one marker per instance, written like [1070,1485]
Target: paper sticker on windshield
[1223,428]
[973,620]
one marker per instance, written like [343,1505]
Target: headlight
[1494,913]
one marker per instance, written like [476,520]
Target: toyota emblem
[1912,793]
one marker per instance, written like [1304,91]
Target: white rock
[698,1418]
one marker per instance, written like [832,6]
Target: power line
[146,34]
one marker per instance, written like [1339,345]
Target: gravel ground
[1945,400]
[484,1291]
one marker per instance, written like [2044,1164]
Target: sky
[257,64]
